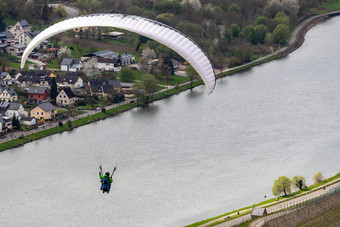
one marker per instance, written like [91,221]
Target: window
[37,113]
[42,113]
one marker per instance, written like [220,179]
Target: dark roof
[35,76]
[106,54]
[70,79]
[4,105]
[67,61]
[107,60]
[3,74]
[6,35]
[32,34]
[114,83]
[14,106]
[26,118]
[8,89]
[4,45]
[24,23]
[68,92]
[47,106]
[37,90]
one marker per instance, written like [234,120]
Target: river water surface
[191,156]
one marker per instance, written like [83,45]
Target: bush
[103,110]
[317,178]
[60,124]
[81,102]
[69,124]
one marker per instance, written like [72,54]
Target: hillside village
[32,96]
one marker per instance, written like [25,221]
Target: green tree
[190,29]
[167,61]
[260,20]
[261,32]
[282,185]
[268,40]
[191,74]
[234,7]
[235,31]
[16,122]
[281,18]
[249,34]
[298,182]
[145,88]
[2,23]
[127,75]
[44,14]
[317,178]
[281,34]
[54,89]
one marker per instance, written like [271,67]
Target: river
[191,156]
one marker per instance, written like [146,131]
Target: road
[71,11]
[276,206]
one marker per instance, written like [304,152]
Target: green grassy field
[332,5]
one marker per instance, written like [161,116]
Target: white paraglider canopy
[146,27]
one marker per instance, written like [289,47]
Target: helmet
[107,173]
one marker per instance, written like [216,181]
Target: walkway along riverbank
[296,41]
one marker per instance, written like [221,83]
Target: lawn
[333,5]
[14,62]
[76,52]
[53,64]
[174,80]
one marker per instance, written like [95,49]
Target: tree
[235,31]
[317,178]
[235,8]
[44,14]
[281,18]
[191,74]
[2,23]
[281,34]
[54,89]
[141,40]
[15,122]
[249,34]
[168,62]
[145,88]
[298,182]
[147,54]
[261,31]
[282,185]
[127,75]
[260,20]
[90,67]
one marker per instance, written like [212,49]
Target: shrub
[103,110]
[317,178]
[60,124]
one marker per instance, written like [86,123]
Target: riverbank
[296,41]
[280,201]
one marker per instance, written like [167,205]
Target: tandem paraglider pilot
[106,180]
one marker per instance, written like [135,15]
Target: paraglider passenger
[106,180]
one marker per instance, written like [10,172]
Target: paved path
[277,205]
[71,11]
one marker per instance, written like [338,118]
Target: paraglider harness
[106,184]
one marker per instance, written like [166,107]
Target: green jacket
[102,177]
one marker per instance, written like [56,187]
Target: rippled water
[188,157]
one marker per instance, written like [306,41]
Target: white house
[66,97]
[28,120]
[109,64]
[19,28]
[71,65]
[16,50]
[26,37]
[16,109]
[72,81]
[7,94]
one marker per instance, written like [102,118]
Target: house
[66,97]
[5,123]
[6,37]
[106,54]
[5,76]
[103,87]
[71,65]
[16,109]
[44,111]
[127,59]
[19,28]
[26,37]
[258,212]
[52,52]
[70,80]
[108,64]
[16,49]
[113,35]
[35,78]
[37,94]
[7,94]
[28,120]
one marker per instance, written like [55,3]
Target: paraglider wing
[146,27]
